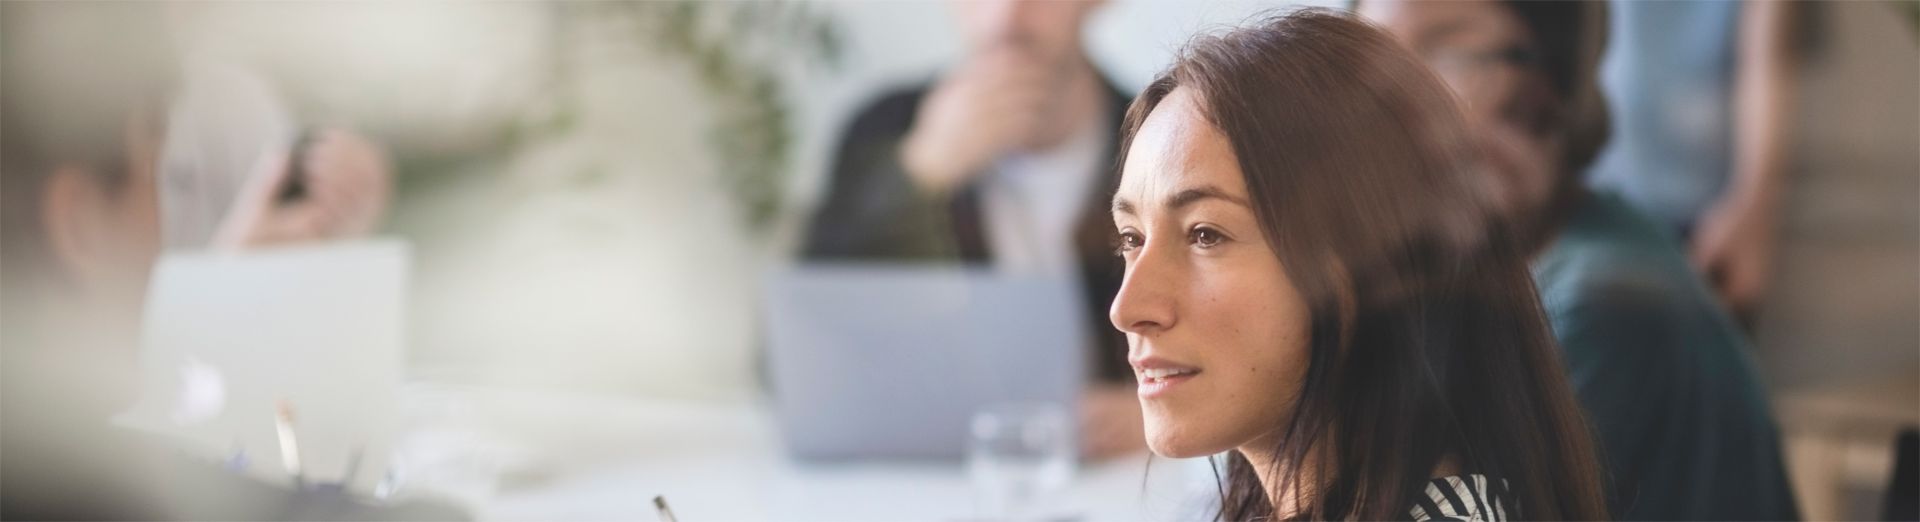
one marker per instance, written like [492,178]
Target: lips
[1157,375]
[1160,374]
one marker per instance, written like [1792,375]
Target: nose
[1146,304]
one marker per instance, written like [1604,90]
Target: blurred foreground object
[82,125]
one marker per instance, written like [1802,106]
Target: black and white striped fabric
[1462,498]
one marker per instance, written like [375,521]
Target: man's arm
[1734,245]
[872,209]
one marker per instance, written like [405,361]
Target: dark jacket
[873,212]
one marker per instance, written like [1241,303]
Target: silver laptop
[229,338]
[891,362]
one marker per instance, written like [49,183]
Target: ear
[73,217]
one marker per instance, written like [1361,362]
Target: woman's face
[1217,334]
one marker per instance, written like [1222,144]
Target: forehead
[1177,148]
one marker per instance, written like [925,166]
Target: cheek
[1249,330]
[140,219]
[1260,329]
[1242,318]
[136,234]
[143,206]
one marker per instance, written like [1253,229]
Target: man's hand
[986,108]
[347,187]
[1734,245]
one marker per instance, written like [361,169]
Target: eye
[1205,236]
[1127,241]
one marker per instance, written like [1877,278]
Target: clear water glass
[1020,458]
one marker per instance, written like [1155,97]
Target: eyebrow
[1184,198]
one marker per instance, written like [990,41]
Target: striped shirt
[1462,498]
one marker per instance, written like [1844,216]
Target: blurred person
[240,172]
[1702,97]
[1315,285]
[1004,161]
[86,113]
[1663,372]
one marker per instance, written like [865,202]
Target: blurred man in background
[90,112]
[1662,370]
[1004,161]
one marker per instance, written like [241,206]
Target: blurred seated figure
[86,138]
[1663,372]
[1005,161]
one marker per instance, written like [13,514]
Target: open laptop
[228,338]
[891,362]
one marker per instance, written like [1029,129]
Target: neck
[1286,483]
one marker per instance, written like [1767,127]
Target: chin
[1171,442]
[1173,451]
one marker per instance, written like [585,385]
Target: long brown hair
[1428,344]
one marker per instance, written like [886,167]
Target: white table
[520,455]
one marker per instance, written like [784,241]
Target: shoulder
[1619,294]
[1463,498]
[1604,230]
[1610,262]
[890,113]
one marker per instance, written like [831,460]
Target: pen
[289,445]
[660,504]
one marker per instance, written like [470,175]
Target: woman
[1298,290]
